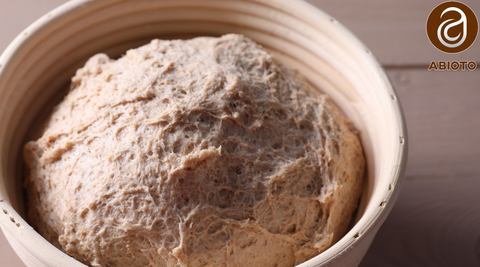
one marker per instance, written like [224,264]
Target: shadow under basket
[37,66]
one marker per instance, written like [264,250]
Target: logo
[452,27]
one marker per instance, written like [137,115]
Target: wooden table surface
[436,220]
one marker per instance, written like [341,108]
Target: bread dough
[204,152]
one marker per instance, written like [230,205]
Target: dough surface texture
[201,152]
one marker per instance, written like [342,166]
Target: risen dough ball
[205,152]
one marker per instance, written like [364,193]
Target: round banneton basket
[36,68]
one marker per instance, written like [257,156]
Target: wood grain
[434,223]
[442,110]
[395,30]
